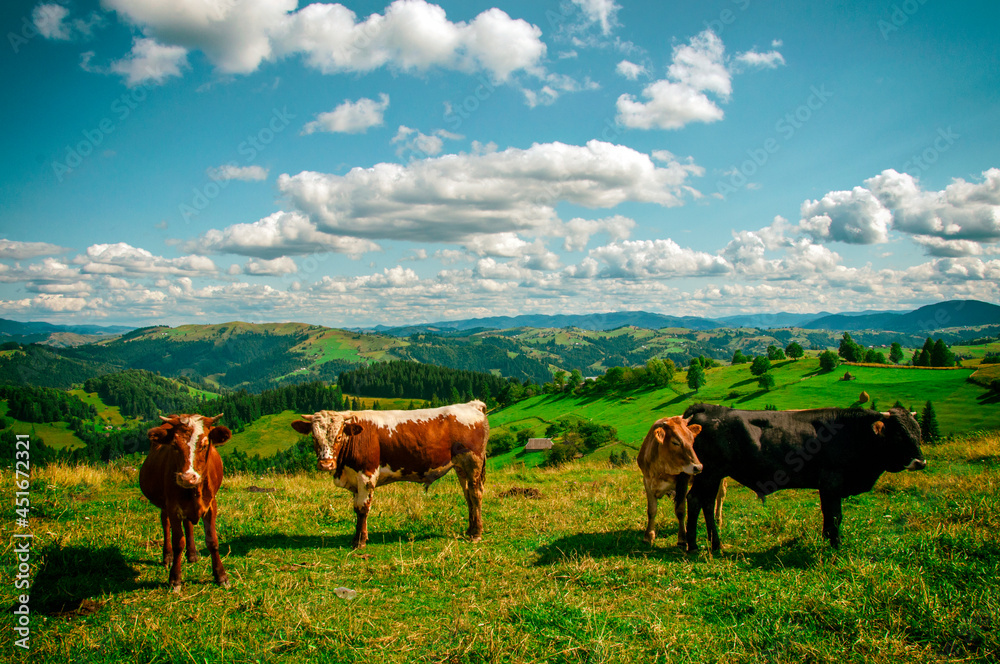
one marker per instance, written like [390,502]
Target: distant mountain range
[56,335]
[952,313]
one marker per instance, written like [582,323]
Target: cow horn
[886,414]
[166,419]
[307,418]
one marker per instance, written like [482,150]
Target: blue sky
[211,160]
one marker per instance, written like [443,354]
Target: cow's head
[899,433]
[329,430]
[675,444]
[192,436]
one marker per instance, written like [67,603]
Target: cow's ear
[352,429]
[695,429]
[219,435]
[302,426]
[660,433]
[158,435]
[879,428]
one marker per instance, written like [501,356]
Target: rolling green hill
[799,384]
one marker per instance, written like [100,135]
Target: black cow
[841,452]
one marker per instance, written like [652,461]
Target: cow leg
[471,476]
[701,499]
[651,506]
[831,506]
[177,541]
[362,504]
[212,541]
[192,546]
[719,499]
[167,549]
[680,501]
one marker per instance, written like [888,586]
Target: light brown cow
[368,448]
[181,476]
[668,460]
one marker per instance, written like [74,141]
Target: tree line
[402,379]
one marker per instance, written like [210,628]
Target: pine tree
[929,429]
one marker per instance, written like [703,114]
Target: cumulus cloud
[641,259]
[452,197]
[578,231]
[421,145]
[961,211]
[936,246]
[124,259]
[505,245]
[697,68]
[351,117]
[12,249]
[274,236]
[234,172]
[150,62]
[854,217]
[277,267]
[630,70]
[411,35]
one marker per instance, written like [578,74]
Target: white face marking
[690,469]
[197,431]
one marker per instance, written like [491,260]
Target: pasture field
[111,414]
[960,406]
[560,577]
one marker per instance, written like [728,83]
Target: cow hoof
[176,588]
[649,536]
[192,558]
[358,545]
[223,581]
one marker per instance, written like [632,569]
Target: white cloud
[854,217]
[277,267]
[697,68]
[961,211]
[419,144]
[601,12]
[351,117]
[768,60]
[234,172]
[12,249]
[277,235]
[123,259]
[630,70]
[452,197]
[504,245]
[150,61]
[936,246]
[50,21]
[578,231]
[642,259]
[411,35]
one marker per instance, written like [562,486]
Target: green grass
[111,414]
[267,436]
[56,434]
[565,577]
[958,403]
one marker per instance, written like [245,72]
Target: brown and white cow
[668,460]
[368,448]
[181,476]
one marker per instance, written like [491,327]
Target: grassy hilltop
[564,577]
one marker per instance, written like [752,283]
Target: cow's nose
[696,467]
[917,464]
[188,479]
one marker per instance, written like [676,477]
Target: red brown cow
[368,448]
[668,460]
[181,476]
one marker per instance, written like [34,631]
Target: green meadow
[961,406]
[562,574]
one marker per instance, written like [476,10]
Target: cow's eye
[675,442]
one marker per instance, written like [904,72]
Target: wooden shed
[538,444]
